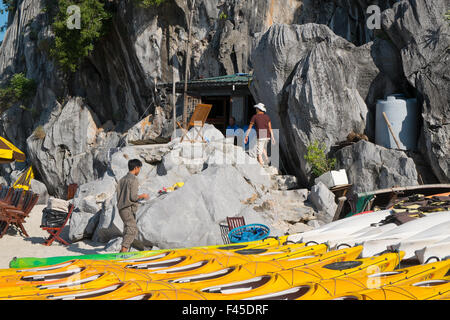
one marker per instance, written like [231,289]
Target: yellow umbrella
[23,182]
[9,153]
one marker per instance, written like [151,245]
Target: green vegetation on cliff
[73,44]
[318,160]
[19,89]
[150,3]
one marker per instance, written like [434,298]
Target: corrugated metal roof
[234,78]
[242,79]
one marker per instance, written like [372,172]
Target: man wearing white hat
[264,132]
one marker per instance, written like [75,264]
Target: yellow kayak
[424,290]
[104,279]
[165,267]
[179,294]
[68,280]
[72,270]
[102,288]
[161,261]
[107,292]
[244,272]
[176,256]
[289,284]
[42,263]
[205,264]
[329,289]
[130,290]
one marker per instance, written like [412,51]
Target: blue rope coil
[248,233]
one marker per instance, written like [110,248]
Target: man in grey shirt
[127,202]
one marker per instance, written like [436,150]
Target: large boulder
[90,202]
[82,225]
[91,195]
[420,32]
[371,167]
[236,178]
[38,187]
[110,225]
[62,150]
[323,201]
[308,89]
[150,128]
[190,216]
[282,210]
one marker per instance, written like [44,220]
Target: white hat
[261,107]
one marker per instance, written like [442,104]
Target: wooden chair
[197,121]
[231,223]
[235,222]
[16,217]
[56,231]
[224,230]
[3,190]
[71,191]
[15,199]
[8,197]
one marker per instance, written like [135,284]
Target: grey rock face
[100,190]
[65,154]
[286,182]
[115,245]
[118,79]
[82,225]
[110,225]
[371,167]
[348,19]
[309,92]
[223,179]
[299,228]
[190,216]
[39,188]
[283,209]
[324,202]
[149,128]
[419,30]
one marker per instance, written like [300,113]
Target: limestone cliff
[114,87]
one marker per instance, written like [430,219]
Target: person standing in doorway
[127,202]
[264,132]
[233,129]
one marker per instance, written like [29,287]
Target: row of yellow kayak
[270,270]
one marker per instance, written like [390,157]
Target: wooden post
[390,129]
[339,208]
[174,96]
[188,60]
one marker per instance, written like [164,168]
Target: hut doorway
[220,111]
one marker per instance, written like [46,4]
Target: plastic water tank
[403,115]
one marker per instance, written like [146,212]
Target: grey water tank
[403,116]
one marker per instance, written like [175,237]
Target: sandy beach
[14,244]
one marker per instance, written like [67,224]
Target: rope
[343,244]
[432,257]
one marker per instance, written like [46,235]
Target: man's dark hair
[132,164]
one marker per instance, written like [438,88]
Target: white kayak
[360,236]
[396,235]
[436,252]
[422,239]
[340,228]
